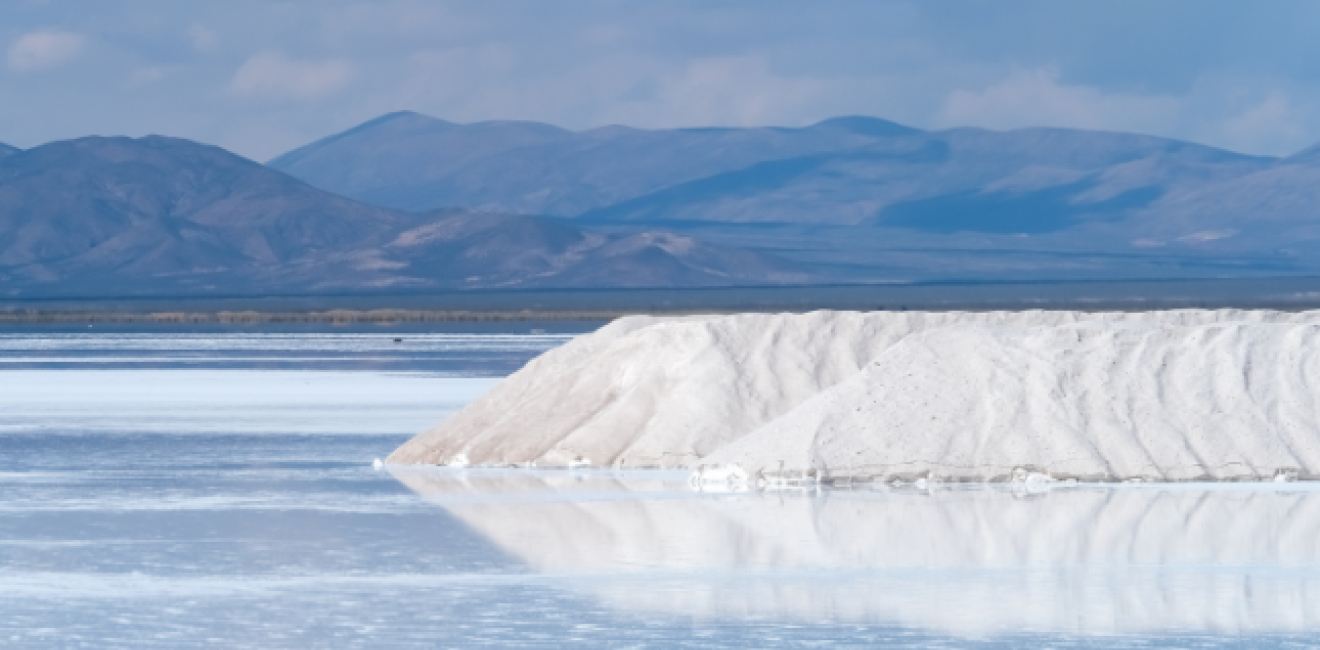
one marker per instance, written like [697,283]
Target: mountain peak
[402,119]
[107,153]
[864,125]
[391,149]
[398,122]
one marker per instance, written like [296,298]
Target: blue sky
[260,77]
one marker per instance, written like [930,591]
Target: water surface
[191,490]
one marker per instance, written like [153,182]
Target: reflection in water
[1084,559]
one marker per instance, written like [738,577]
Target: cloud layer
[271,75]
[260,78]
[43,49]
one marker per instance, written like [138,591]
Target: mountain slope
[413,162]
[1032,180]
[1275,208]
[869,199]
[841,171]
[6,150]
[157,215]
[160,206]
[459,249]
[396,157]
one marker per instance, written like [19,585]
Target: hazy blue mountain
[396,156]
[160,215]
[1031,180]
[6,150]
[851,170]
[414,162]
[166,204]
[1276,208]
[1307,156]
[863,198]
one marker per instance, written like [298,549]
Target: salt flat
[170,400]
[130,518]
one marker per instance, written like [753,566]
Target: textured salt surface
[1176,395]
[1219,402]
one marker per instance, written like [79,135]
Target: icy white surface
[248,382]
[230,343]
[235,400]
[1037,395]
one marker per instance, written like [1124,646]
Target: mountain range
[163,216]
[862,199]
[407,202]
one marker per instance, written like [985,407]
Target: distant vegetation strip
[330,316]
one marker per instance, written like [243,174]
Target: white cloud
[202,39]
[488,82]
[149,74]
[271,75]
[1036,98]
[736,91]
[1270,125]
[43,49]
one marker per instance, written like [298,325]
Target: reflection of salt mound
[967,560]
[1159,395]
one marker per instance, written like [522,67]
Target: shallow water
[217,490]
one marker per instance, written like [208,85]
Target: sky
[262,77]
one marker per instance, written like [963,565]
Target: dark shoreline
[338,316]
[1287,294]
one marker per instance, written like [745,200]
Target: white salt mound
[1176,395]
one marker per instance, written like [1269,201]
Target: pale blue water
[187,491]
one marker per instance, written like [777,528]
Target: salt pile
[1000,396]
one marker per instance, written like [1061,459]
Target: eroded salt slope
[666,392]
[1232,401]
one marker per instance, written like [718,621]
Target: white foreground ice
[1175,395]
[228,400]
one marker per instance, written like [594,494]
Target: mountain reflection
[1084,559]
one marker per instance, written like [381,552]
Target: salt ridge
[1035,395]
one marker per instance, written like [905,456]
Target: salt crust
[913,396]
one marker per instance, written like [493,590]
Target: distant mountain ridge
[844,170]
[867,198]
[157,215]
[414,162]
[407,202]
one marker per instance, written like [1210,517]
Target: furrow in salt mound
[666,392]
[1215,402]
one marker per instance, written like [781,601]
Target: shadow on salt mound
[1213,403]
